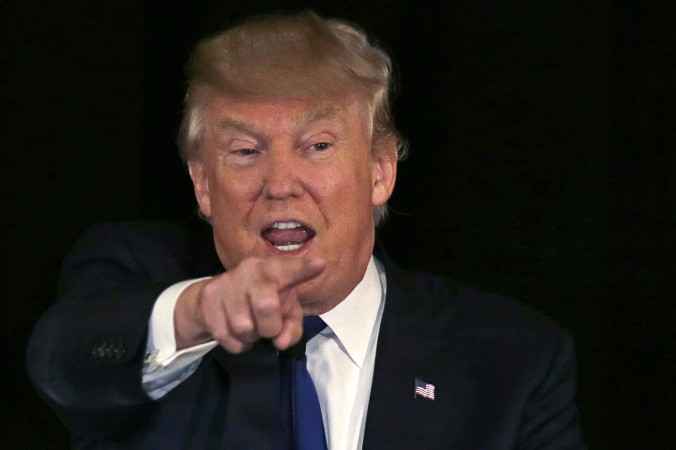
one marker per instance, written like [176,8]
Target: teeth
[287,248]
[285,225]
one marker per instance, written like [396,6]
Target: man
[289,142]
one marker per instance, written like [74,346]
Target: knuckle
[234,347]
[231,343]
[209,293]
[221,337]
[241,326]
[266,306]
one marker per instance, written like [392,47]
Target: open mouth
[288,236]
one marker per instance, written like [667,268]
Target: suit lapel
[414,335]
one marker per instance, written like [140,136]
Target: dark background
[542,166]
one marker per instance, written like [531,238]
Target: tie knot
[312,325]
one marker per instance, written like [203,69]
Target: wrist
[189,326]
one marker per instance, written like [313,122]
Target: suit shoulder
[474,310]
[139,246]
[107,235]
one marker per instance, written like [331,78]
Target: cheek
[233,190]
[229,186]
[230,204]
[347,190]
[231,244]
[341,183]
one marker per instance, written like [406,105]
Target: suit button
[119,351]
[99,351]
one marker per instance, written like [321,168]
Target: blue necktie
[302,425]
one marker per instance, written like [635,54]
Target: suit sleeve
[550,419]
[86,353]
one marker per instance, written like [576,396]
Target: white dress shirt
[340,358]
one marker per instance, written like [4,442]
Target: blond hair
[298,56]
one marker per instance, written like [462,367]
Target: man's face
[295,178]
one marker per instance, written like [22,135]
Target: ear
[384,172]
[201,185]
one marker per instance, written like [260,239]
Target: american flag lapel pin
[424,389]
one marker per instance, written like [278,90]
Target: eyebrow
[304,118]
[238,125]
[315,115]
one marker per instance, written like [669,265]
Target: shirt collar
[353,319]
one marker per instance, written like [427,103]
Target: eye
[320,146]
[247,151]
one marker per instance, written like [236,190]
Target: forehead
[226,114]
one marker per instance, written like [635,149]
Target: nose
[281,175]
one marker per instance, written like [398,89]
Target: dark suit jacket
[504,375]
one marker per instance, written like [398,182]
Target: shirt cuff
[164,367]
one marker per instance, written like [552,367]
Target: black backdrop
[542,167]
